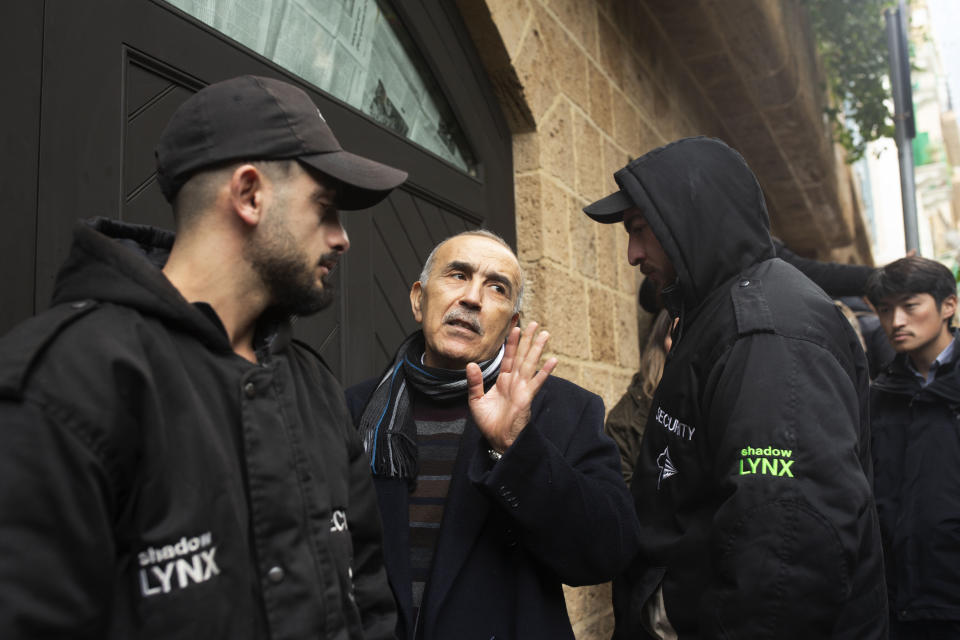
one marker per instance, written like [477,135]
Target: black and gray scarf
[387,427]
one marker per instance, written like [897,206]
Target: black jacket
[153,484]
[554,510]
[916,450]
[753,482]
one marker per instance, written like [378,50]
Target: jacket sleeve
[372,591]
[571,507]
[794,495]
[56,541]
[836,278]
[625,424]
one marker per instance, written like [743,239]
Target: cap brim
[364,182]
[610,209]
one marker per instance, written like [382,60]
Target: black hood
[706,208]
[120,263]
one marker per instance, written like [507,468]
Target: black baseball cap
[610,209]
[255,118]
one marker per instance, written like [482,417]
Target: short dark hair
[198,191]
[911,275]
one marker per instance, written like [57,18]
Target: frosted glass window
[355,50]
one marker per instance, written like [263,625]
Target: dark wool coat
[753,484]
[553,511]
[916,450]
[154,484]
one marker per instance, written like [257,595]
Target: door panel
[113,73]
[22,44]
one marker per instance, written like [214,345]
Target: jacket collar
[900,378]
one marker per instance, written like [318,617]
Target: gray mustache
[462,315]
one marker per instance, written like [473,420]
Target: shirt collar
[946,357]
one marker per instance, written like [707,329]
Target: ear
[948,308]
[513,322]
[416,299]
[247,194]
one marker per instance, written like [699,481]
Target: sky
[945,15]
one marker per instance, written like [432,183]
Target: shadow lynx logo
[187,562]
[768,461]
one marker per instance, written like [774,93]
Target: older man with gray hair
[495,481]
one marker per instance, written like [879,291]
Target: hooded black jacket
[154,484]
[916,448]
[753,482]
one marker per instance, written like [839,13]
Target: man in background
[915,420]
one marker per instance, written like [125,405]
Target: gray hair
[483,233]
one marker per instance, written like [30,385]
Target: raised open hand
[502,412]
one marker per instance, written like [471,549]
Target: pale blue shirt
[945,357]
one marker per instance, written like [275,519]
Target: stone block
[627,16]
[778,88]
[602,335]
[813,164]
[621,382]
[690,30]
[568,60]
[611,49]
[722,84]
[561,308]
[605,7]
[628,276]
[526,152]
[648,43]
[625,117]
[648,139]
[556,144]
[614,159]
[600,109]
[568,369]
[753,36]
[762,152]
[512,18]
[579,18]
[607,256]
[597,379]
[586,605]
[597,626]
[529,211]
[558,207]
[824,201]
[638,84]
[539,88]
[628,344]
[589,158]
[488,37]
[584,238]
[575,603]
[694,102]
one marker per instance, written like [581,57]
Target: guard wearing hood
[753,481]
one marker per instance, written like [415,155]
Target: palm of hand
[502,412]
